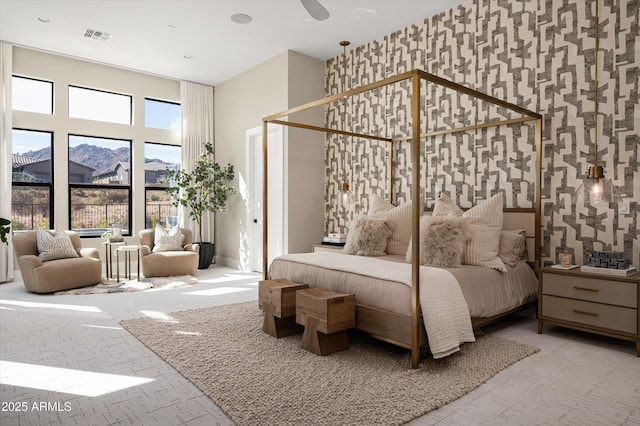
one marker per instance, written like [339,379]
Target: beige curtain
[6,65]
[197,128]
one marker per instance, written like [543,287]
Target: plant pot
[207,250]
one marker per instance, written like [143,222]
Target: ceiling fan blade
[315,9]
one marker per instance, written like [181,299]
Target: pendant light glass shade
[344,198]
[597,193]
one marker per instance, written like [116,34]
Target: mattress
[487,292]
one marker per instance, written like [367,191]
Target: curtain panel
[197,128]
[6,65]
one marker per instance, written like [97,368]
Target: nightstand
[594,303]
[326,247]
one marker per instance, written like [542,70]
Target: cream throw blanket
[444,310]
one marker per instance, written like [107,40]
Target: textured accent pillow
[167,240]
[53,247]
[513,247]
[485,223]
[368,236]
[400,216]
[445,206]
[442,241]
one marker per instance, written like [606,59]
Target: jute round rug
[258,379]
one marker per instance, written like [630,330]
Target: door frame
[276,170]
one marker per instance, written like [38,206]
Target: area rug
[154,283]
[258,379]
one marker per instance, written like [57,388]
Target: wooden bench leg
[320,343]
[278,327]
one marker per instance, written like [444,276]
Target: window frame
[51,83]
[131,114]
[49,184]
[129,188]
[163,102]
[148,187]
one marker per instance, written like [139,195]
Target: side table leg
[106,263]
[117,265]
[138,270]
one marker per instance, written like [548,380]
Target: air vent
[96,35]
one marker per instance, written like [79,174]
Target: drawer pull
[595,290]
[585,313]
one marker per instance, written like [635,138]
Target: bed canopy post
[392,152]
[415,220]
[265,200]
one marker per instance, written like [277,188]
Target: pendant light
[596,191]
[344,197]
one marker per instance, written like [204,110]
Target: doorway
[254,219]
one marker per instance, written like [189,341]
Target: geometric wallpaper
[538,54]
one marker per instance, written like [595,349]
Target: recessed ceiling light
[241,18]
[44,20]
[187,56]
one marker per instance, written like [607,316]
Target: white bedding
[445,312]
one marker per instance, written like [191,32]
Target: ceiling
[196,40]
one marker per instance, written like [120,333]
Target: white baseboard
[228,262]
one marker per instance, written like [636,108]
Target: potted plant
[5,228]
[204,189]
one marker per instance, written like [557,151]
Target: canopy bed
[404,325]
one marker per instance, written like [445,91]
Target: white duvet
[444,309]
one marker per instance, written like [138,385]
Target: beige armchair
[56,275]
[168,263]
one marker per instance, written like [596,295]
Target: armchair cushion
[52,247]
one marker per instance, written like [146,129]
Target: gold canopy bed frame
[414,338]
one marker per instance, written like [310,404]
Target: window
[158,159]
[162,115]
[32,179]
[98,105]
[99,184]
[29,94]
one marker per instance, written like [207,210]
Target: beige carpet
[154,283]
[258,379]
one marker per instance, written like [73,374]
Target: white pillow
[52,247]
[400,216]
[167,240]
[368,236]
[442,241]
[485,223]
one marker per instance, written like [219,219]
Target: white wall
[282,82]
[306,157]
[64,71]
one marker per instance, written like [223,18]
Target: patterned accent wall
[538,54]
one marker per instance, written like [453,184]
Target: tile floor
[65,360]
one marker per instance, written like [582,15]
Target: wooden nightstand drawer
[326,247]
[595,314]
[591,289]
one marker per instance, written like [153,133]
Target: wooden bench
[277,298]
[326,316]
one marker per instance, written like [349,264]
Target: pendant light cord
[595,98]
[344,45]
